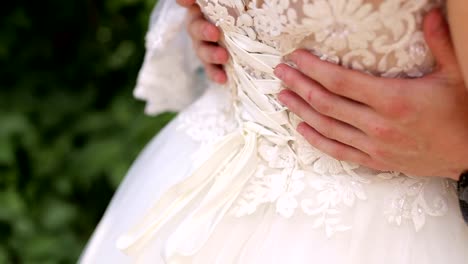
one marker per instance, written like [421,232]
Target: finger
[186,3]
[352,84]
[333,148]
[328,127]
[210,53]
[216,73]
[437,35]
[200,29]
[194,13]
[325,102]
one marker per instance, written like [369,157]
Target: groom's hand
[205,36]
[415,126]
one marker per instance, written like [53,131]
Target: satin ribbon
[220,179]
[174,200]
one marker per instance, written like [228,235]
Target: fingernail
[292,56]
[281,97]
[222,56]
[300,128]
[291,64]
[439,26]
[217,56]
[279,71]
[220,78]
[208,34]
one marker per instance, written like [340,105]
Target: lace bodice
[379,36]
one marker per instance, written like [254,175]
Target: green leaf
[69,127]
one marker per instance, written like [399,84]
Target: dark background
[69,126]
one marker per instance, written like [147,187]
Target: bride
[230,180]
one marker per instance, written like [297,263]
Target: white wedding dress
[230,181]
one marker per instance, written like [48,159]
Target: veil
[171,75]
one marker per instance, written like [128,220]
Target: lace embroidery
[154,76]
[414,198]
[208,120]
[382,39]
[168,54]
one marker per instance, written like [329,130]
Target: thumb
[437,35]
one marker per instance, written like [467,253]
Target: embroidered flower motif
[413,59]
[285,187]
[320,162]
[208,121]
[277,156]
[256,192]
[245,23]
[415,198]
[334,193]
[278,186]
[219,15]
[271,19]
[207,125]
[342,24]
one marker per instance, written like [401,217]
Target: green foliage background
[69,127]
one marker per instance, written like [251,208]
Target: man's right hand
[205,37]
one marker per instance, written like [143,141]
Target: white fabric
[168,79]
[241,186]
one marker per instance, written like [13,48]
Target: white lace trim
[168,79]
[208,120]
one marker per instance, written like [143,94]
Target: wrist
[456,176]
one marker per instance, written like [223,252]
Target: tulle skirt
[265,236]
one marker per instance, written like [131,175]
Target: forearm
[458,21]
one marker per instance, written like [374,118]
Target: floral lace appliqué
[413,199]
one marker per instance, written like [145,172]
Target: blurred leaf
[12,205]
[69,127]
[3,255]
